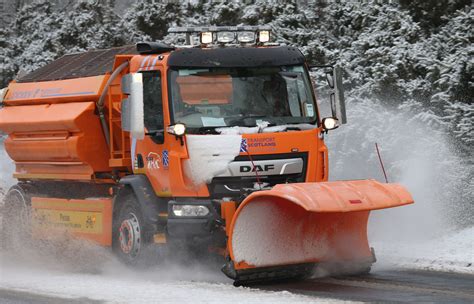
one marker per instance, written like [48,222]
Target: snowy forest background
[408,72]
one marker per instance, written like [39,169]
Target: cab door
[152,152]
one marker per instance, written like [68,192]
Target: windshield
[226,97]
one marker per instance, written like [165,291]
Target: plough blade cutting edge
[277,233]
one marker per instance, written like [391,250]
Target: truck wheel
[129,242]
[16,219]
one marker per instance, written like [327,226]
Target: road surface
[388,285]
[380,286]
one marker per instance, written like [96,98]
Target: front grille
[234,186]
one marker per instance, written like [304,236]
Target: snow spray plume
[416,155]
[65,253]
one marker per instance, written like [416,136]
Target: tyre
[130,241]
[16,219]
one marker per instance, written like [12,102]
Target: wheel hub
[129,236]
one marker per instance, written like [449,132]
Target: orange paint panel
[337,196]
[55,117]
[282,142]
[195,89]
[60,91]
[89,219]
[227,213]
[39,170]
[147,62]
[43,136]
[51,149]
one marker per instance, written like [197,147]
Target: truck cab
[221,120]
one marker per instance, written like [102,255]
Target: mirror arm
[154,132]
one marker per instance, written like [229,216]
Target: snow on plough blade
[284,232]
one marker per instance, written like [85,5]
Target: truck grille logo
[267,167]
[257,168]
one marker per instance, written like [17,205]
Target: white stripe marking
[144,61]
[153,64]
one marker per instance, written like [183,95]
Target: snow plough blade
[284,232]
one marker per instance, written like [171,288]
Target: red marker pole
[381,163]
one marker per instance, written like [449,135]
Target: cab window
[153,102]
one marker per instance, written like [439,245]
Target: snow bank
[209,155]
[453,252]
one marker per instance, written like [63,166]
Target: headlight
[178,129]
[225,37]
[246,37]
[190,210]
[206,37]
[330,123]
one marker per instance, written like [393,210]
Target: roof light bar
[199,29]
[225,34]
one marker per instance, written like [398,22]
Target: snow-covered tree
[150,20]
[91,26]
[30,39]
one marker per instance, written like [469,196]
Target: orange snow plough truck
[215,146]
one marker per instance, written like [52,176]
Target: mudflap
[286,231]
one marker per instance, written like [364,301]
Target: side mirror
[3,93]
[132,107]
[339,108]
[336,92]
[330,123]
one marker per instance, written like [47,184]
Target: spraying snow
[416,154]
[451,251]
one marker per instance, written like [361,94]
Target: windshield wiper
[205,130]
[242,119]
[290,127]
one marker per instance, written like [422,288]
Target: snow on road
[452,252]
[115,284]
